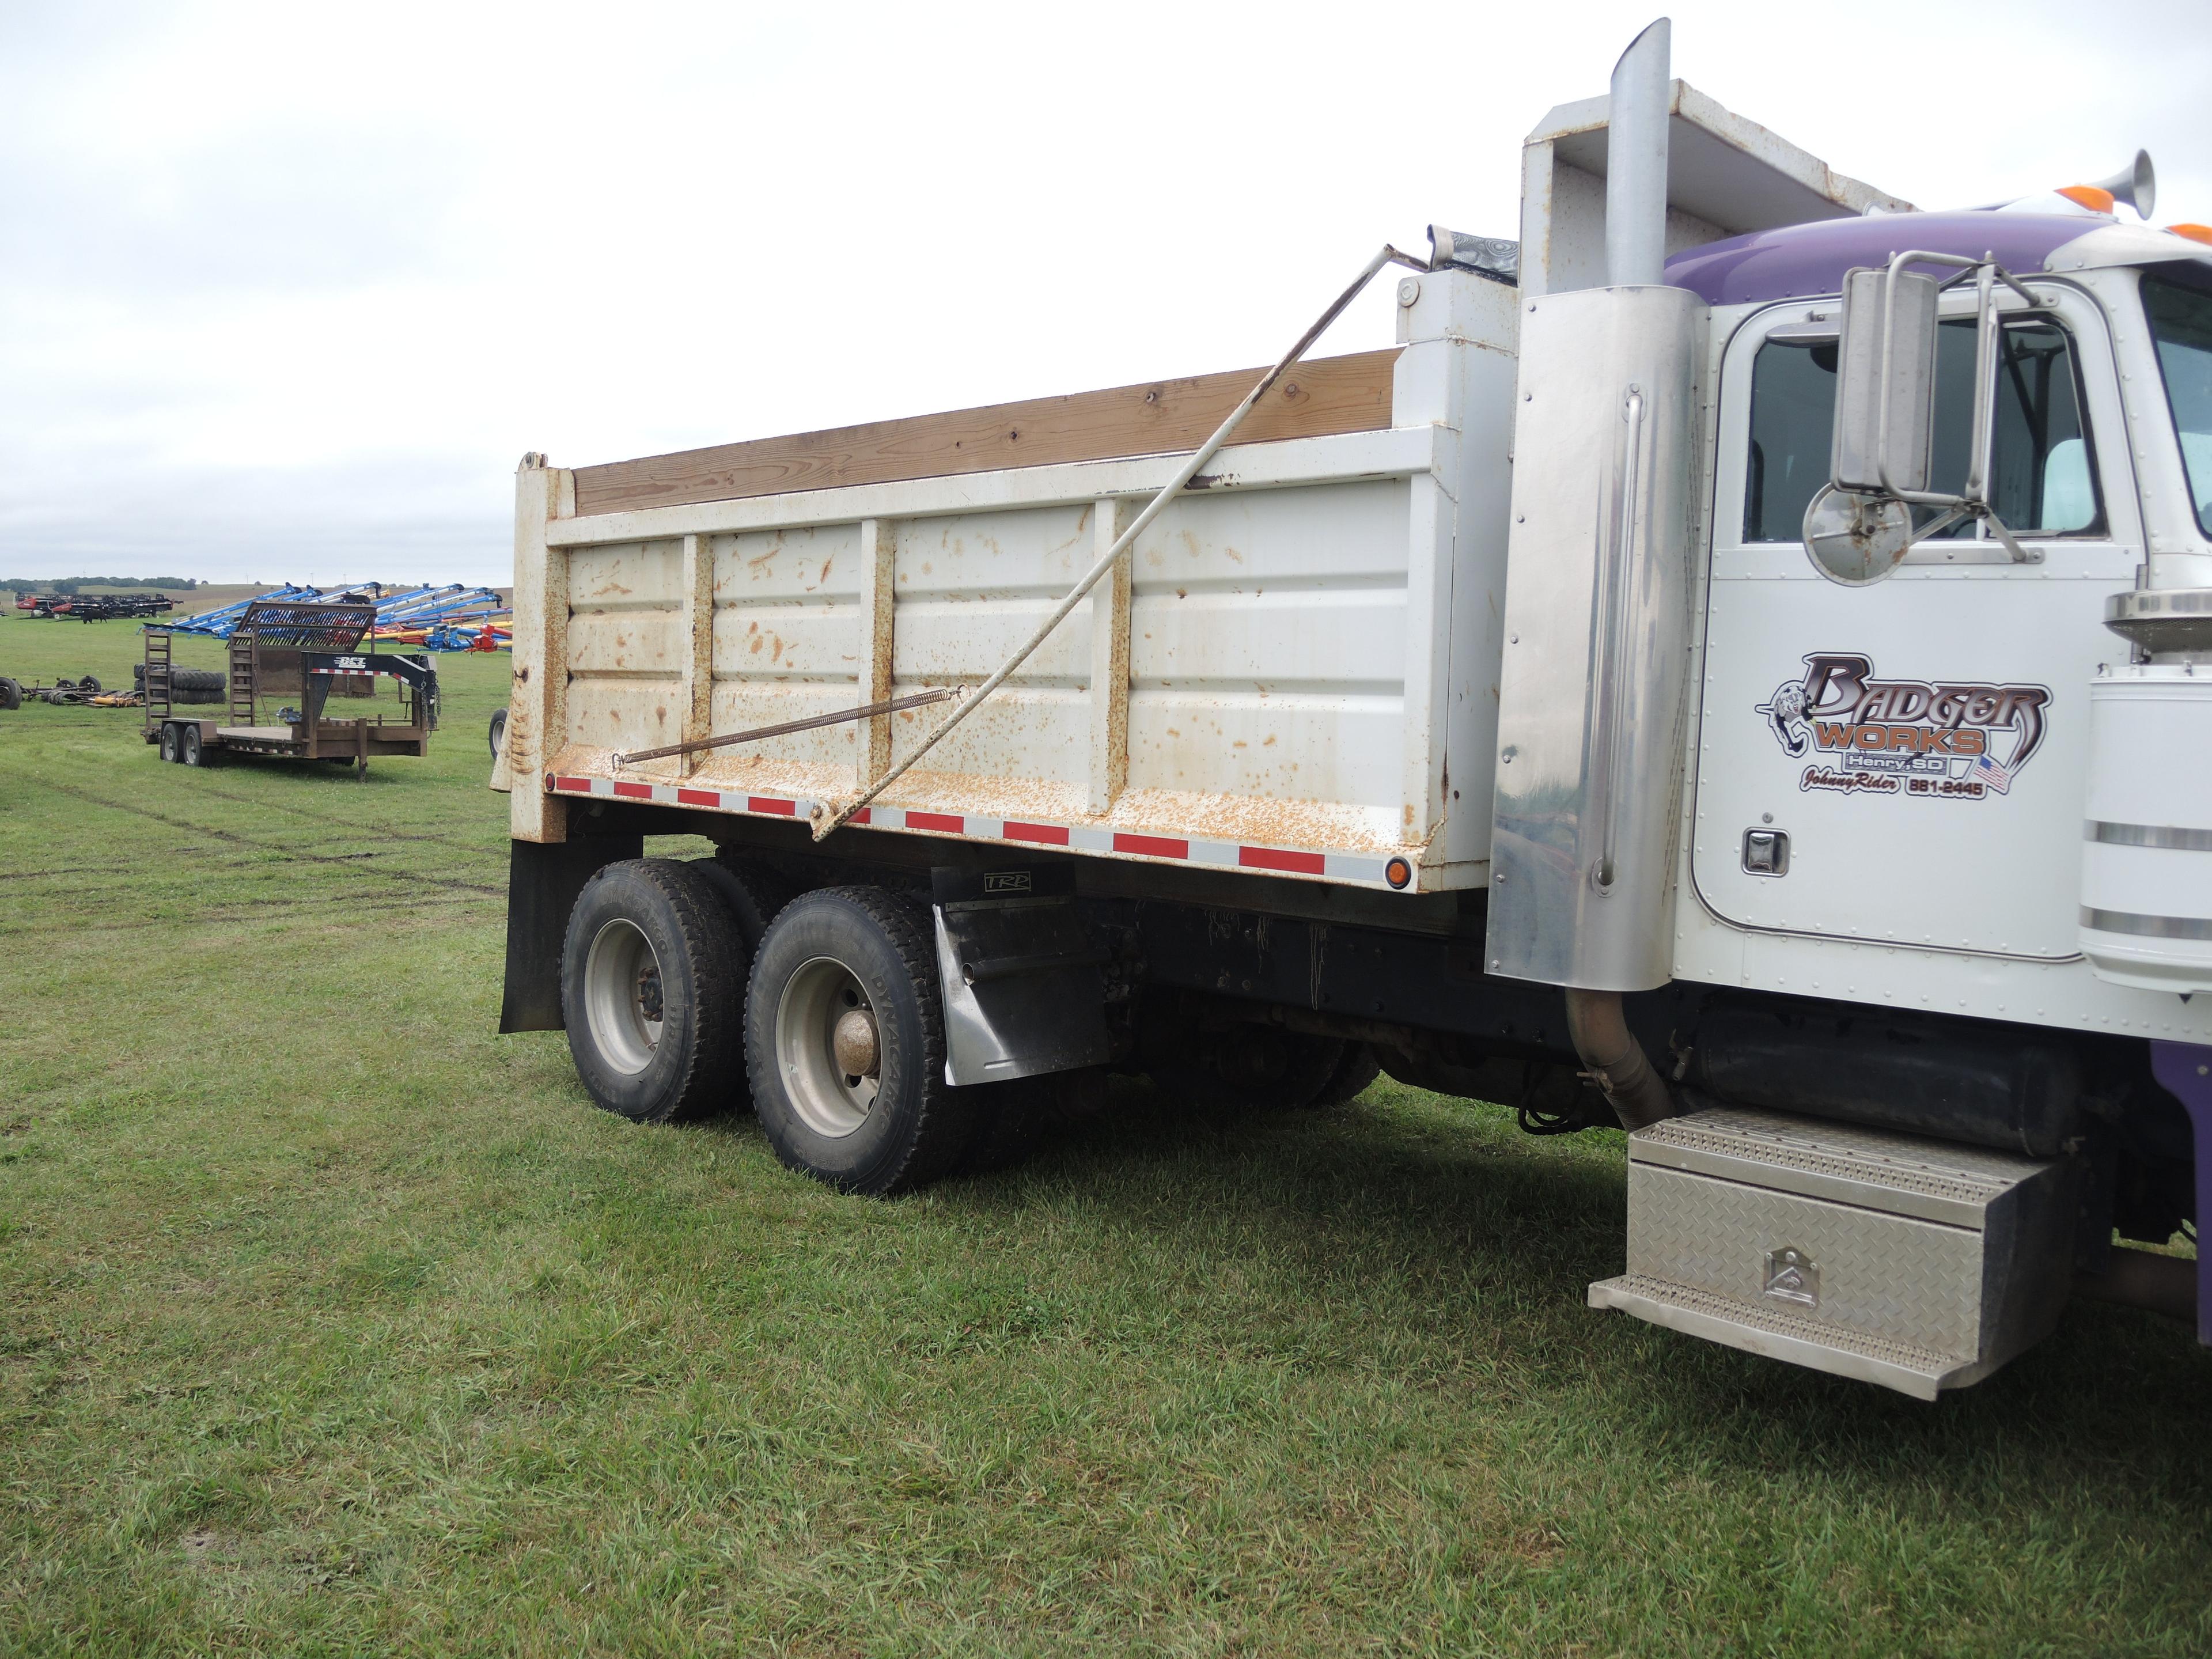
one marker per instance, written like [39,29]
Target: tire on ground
[1350,1079]
[650,976]
[173,745]
[748,892]
[189,751]
[749,897]
[884,1127]
[1247,1068]
[11,695]
[498,731]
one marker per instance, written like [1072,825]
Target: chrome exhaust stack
[1597,616]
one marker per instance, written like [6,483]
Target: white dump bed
[1294,672]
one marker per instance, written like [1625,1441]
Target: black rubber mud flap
[542,881]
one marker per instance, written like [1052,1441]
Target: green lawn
[332,1322]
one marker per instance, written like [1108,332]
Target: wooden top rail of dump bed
[1324,396]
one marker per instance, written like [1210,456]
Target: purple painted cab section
[1804,261]
[2184,1070]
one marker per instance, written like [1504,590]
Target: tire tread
[944,1121]
[716,955]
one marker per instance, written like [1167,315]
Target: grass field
[332,1322]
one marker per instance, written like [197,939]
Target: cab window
[2041,479]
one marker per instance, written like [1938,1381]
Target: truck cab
[1855,609]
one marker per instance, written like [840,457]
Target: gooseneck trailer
[1739,669]
[287,649]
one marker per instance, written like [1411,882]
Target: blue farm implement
[439,618]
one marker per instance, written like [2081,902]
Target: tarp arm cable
[826,820]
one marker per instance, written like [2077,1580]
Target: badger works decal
[1870,737]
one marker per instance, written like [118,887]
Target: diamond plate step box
[1913,1263]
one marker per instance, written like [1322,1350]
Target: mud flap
[1024,989]
[542,880]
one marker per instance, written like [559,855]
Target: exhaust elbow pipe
[1616,1061]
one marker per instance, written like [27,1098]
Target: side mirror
[1885,384]
[1859,529]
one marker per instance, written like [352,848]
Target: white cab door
[1919,746]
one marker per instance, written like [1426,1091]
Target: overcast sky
[286,290]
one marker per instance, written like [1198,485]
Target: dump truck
[1739,670]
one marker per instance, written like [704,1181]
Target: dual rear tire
[651,972]
[845,1043]
[1258,1068]
[687,987]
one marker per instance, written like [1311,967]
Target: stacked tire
[188,684]
[690,988]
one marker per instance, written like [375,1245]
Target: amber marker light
[2194,233]
[1397,872]
[2088,196]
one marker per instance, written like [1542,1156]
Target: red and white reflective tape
[1361,869]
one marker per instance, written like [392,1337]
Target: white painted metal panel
[789,643]
[1954,614]
[970,587]
[1248,688]
[1912,849]
[1267,648]
[1913,845]
[625,651]
[607,713]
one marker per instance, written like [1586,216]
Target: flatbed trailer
[1666,690]
[287,649]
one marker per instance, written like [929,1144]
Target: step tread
[1921,1372]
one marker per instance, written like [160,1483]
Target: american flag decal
[1985,770]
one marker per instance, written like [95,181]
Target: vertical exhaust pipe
[1636,160]
[1635,257]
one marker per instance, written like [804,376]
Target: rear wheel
[1353,1074]
[845,1043]
[651,973]
[1247,1068]
[89,686]
[748,892]
[11,695]
[172,745]
[190,751]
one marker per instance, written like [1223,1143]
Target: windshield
[2181,323]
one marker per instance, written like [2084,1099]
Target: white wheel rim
[623,992]
[830,1102]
